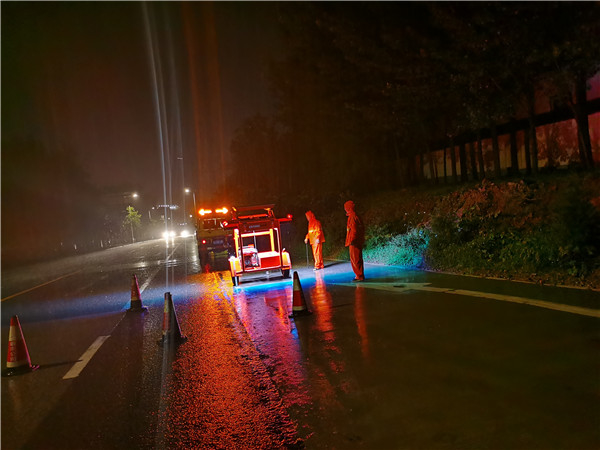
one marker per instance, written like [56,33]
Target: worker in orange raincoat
[355,240]
[316,238]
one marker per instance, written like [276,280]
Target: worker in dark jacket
[355,240]
[316,238]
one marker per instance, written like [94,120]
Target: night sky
[78,78]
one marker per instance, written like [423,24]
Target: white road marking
[91,351]
[404,287]
[149,280]
[85,358]
[40,285]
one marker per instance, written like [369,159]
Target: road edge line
[40,285]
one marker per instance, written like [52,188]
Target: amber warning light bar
[204,212]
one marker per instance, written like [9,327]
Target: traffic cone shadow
[18,361]
[171,332]
[136,300]
[299,307]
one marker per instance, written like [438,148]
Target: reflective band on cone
[17,358]
[136,300]
[299,307]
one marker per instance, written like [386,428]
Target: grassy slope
[545,230]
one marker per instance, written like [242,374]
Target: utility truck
[213,239]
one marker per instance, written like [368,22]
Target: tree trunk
[433,168]
[453,162]
[480,156]
[445,166]
[533,134]
[514,151]
[473,161]
[420,160]
[496,152]
[464,170]
[526,139]
[583,126]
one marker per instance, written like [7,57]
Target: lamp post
[134,195]
[187,191]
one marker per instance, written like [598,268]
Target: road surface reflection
[219,394]
[308,357]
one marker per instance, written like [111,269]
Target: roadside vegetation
[545,230]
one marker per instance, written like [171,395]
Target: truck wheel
[285,273]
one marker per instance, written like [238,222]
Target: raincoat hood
[310,215]
[349,207]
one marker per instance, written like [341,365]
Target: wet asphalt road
[406,360]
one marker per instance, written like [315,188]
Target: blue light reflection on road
[306,357]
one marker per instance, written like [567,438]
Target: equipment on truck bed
[257,241]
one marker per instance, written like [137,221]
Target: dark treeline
[50,209]
[48,206]
[366,89]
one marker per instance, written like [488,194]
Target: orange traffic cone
[17,358]
[299,307]
[136,301]
[171,330]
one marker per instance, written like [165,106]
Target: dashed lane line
[85,358]
[76,369]
[91,351]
